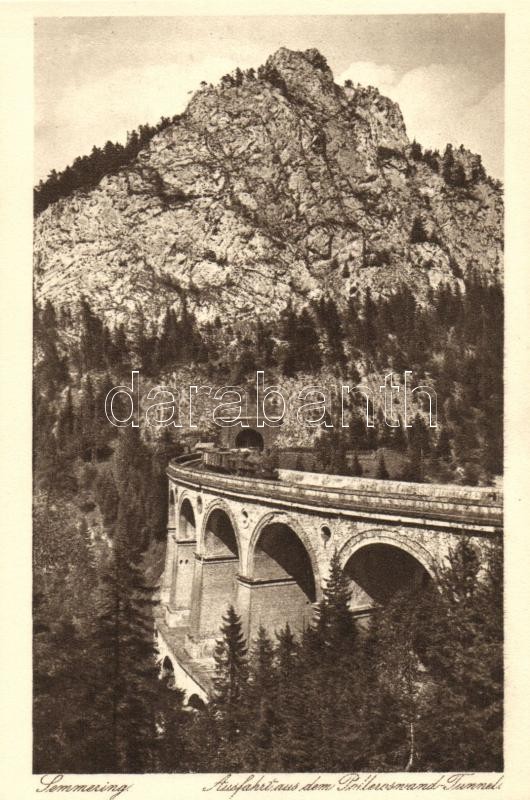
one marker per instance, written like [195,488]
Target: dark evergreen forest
[419,689]
[86,171]
[454,343]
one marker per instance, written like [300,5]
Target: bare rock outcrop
[269,187]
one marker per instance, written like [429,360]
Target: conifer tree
[448,163]
[65,585]
[358,430]
[381,472]
[119,351]
[169,344]
[107,496]
[89,427]
[335,625]
[288,673]
[399,437]
[134,477]
[299,465]
[264,347]
[172,746]
[384,431]
[340,461]
[356,467]
[45,457]
[129,694]
[229,687]
[297,741]
[443,445]
[329,654]
[415,151]
[459,176]
[414,469]
[460,640]
[303,346]
[261,678]
[332,324]
[399,683]
[419,435]
[478,173]
[418,233]
[51,372]
[260,697]
[369,326]
[92,340]
[66,427]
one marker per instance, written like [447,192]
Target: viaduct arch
[380,564]
[265,547]
[282,576]
[186,519]
[215,574]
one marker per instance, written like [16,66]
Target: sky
[98,77]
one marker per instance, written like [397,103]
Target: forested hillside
[99,532]
[454,344]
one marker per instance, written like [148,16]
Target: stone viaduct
[265,546]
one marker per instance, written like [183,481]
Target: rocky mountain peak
[275,186]
[306,74]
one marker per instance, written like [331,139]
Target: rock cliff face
[269,187]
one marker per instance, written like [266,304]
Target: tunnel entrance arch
[379,570]
[248,437]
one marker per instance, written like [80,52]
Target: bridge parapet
[450,504]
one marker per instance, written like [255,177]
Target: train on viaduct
[265,547]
